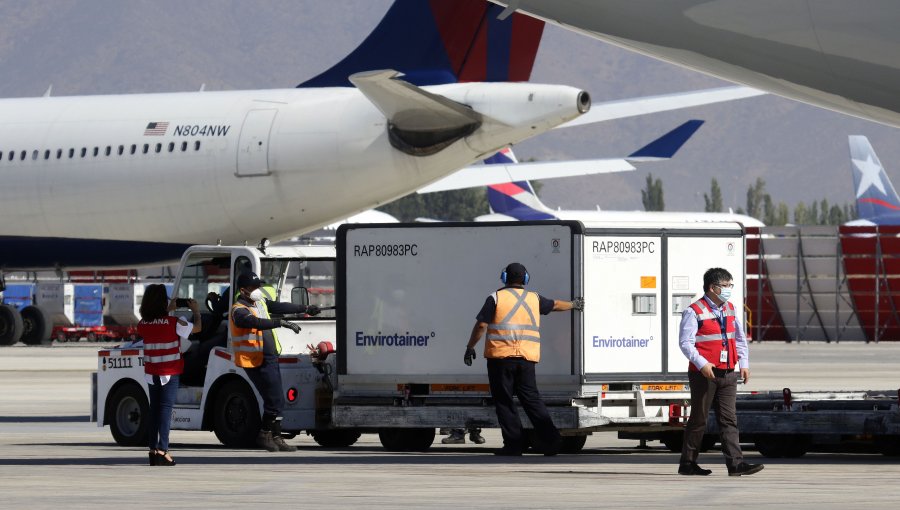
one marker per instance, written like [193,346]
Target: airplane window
[133,148]
[22,156]
[58,153]
[71,153]
[146,147]
[158,147]
[47,154]
[197,145]
[12,155]
[121,150]
[96,151]
[83,152]
[183,146]
[171,146]
[1,155]
[108,150]
[34,155]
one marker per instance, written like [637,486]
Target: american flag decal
[156,129]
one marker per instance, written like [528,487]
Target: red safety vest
[162,346]
[516,329]
[709,335]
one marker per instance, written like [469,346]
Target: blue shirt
[687,337]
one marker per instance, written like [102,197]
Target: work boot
[692,469]
[456,436]
[476,437]
[744,469]
[264,440]
[283,446]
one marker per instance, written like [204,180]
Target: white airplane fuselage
[230,166]
[840,55]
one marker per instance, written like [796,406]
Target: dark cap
[248,281]
[515,272]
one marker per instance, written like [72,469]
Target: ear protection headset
[524,280]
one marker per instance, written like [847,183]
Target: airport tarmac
[52,457]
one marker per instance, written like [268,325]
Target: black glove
[313,310]
[291,326]
[578,303]
[470,355]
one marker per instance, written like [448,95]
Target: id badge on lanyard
[723,356]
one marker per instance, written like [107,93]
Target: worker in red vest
[165,339]
[713,340]
[512,318]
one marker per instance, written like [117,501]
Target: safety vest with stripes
[162,346]
[516,329]
[710,336]
[269,293]
[246,343]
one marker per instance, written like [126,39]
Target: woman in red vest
[165,338]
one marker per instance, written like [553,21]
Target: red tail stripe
[880,202]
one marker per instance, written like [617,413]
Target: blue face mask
[725,295]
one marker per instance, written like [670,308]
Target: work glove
[470,355]
[313,310]
[291,326]
[578,303]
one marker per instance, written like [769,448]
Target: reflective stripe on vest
[708,340]
[265,315]
[246,343]
[516,329]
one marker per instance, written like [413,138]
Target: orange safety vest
[710,335]
[246,343]
[516,329]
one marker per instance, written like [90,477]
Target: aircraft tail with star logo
[877,202]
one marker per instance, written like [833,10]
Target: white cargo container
[409,295]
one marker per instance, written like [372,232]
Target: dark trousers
[267,379]
[721,392]
[162,399]
[515,376]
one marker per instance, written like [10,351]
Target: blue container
[19,295]
[88,305]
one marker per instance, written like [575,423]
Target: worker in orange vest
[255,347]
[512,319]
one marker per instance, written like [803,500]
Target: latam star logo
[156,129]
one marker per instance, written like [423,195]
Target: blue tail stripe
[668,144]
[406,39]
[499,45]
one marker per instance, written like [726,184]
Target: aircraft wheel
[37,327]
[335,438]
[406,440]
[11,326]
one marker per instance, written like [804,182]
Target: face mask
[257,295]
[725,295]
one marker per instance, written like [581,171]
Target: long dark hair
[155,303]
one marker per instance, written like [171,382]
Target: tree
[782,215]
[714,199]
[801,214]
[768,210]
[652,196]
[756,198]
[836,215]
[458,205]
[823,212]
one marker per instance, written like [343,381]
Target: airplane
[877,202]
[126,180]
[837,55]
[130,180]
[517,201]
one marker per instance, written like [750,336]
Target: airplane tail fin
[875,194]
[668,144]
[515,199]
[443,41]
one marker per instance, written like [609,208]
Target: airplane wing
[485,175]
[611,110]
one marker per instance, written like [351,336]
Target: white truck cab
[214,393]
